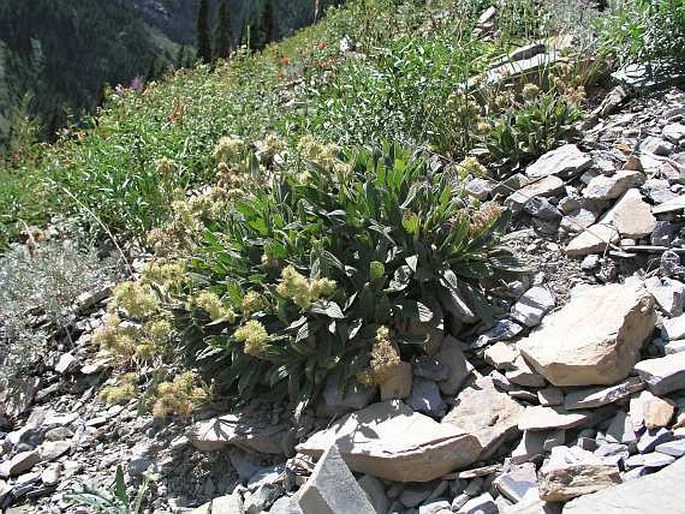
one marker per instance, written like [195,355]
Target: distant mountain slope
[62,52]
[176,18]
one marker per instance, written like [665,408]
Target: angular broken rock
[656,411]
[631,215]
[532,306]
[543,418]
[595,339]
[389,440]
[602,187]
[517,482]
[239,430]
[594,239]
[598,396]
[663,375]
[332,488]
[669,294]
[501,356]
[675,204]
[566,161]
[337,401]
[674,328]
[19,464]
[503,330]
[658,493]
[547,186]
[571,472]
[578,221]
[483,411]
[65,363]
[452,356]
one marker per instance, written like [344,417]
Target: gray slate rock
[285,505]
[674,448]
[332,489]
[653,438]
[19,464]
[356,397]
[502,331]
[435,507]
[426,398]
[532,306]
[483,504]
[598,396]
[663,375]
[540,207]
[566,161]
[517,482]
[375,493]
[659,493]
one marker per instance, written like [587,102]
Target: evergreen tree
[204,46]
[268,23]
[263,26]
[222,31]
[181,56]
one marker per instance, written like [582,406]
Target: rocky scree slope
[571,403]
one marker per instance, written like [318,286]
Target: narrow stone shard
[332,488]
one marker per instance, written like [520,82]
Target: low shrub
[324,269]
[643,30]
[39,284]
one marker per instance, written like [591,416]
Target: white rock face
[390,441]
[602,187]
[631,215]
[594,239]
[595,339]
[566,161]
[663,375]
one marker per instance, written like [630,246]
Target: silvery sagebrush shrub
[39,284]
[328,270]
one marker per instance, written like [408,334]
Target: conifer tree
[263,26]
[222,31]
[268,23]
[204,46]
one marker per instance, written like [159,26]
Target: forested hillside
[57,55]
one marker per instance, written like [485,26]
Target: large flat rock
[240,430]
[595,339]
[389,440]
[571,472]
[546,186]
[481,410]
[659,493]
[566,161]
[594,239]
